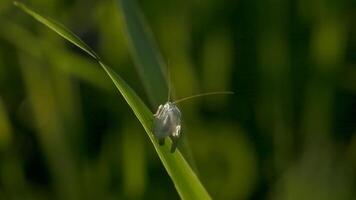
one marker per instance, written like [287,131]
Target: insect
[167,120]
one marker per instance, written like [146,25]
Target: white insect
[167,120]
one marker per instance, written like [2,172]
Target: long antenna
[202,94]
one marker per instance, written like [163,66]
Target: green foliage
[149,61]
[288,132]
[186,182]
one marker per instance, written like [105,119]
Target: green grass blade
[148,59]
[149,62]
[58,28]
[186,182]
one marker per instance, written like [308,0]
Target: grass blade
[58,28]
[186,182]
[149,61]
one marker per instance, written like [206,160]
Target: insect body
[167,120]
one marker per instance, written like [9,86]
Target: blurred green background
[289,132]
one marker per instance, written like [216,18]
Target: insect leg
[174,143]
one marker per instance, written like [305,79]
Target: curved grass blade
[186,182]
[63,60]
[58,28]
[148,60]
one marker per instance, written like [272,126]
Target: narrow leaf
[148,59]
[149,62]
[58,28]
[184,179]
